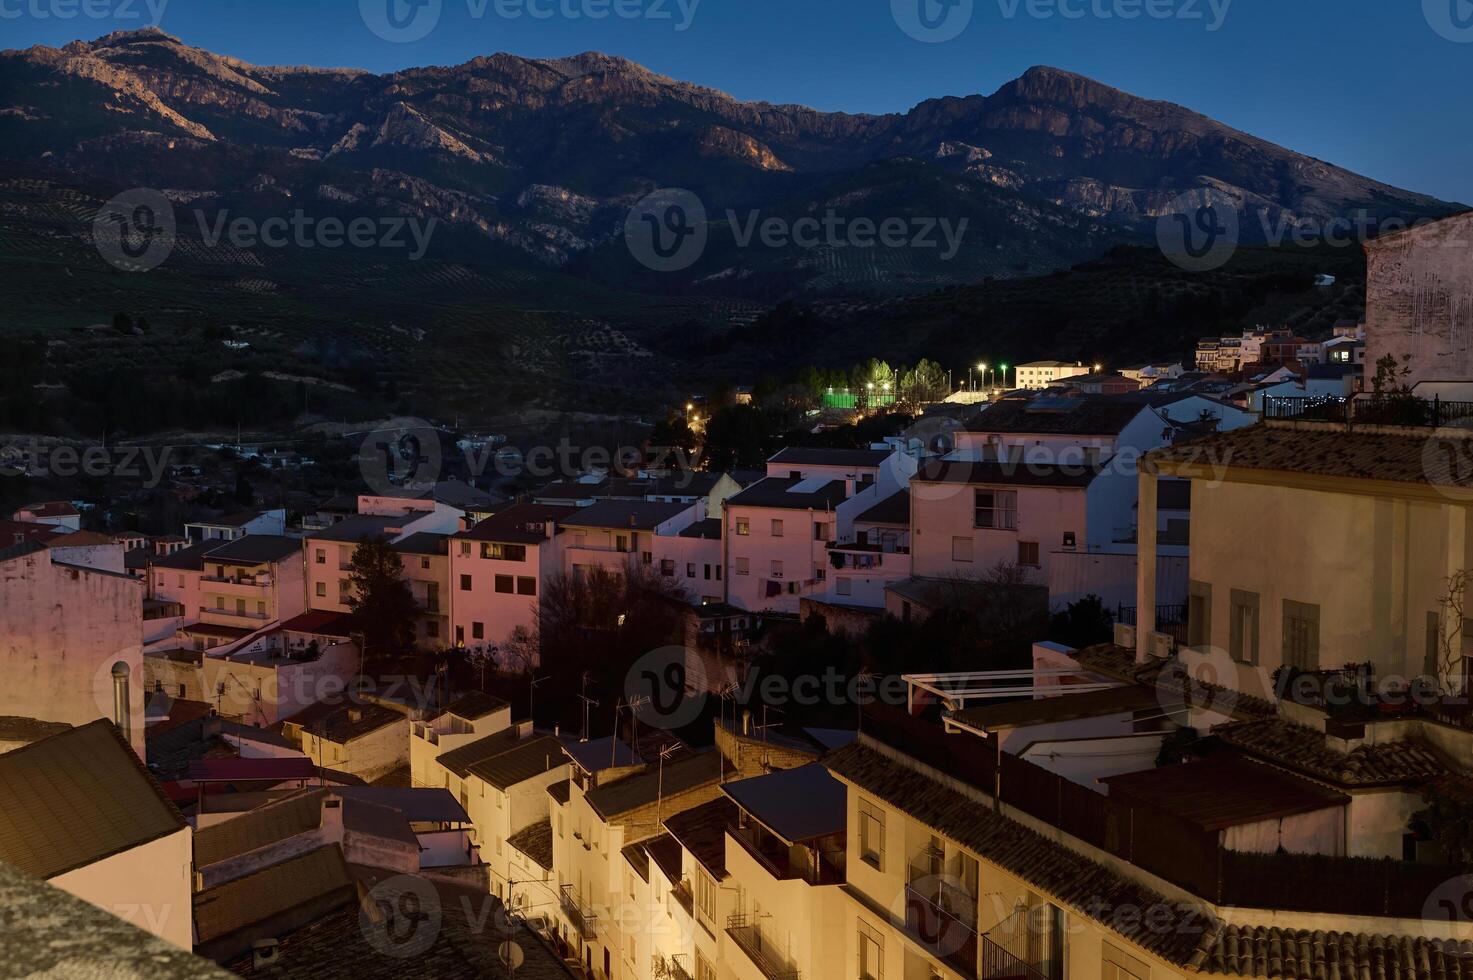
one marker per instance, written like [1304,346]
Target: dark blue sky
[1379,86]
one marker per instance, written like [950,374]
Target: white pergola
[956,689]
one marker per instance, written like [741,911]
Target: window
[667,567]
[743,527]
[871,953]
[424,563]
[621,542]
[777,528]
[777,569]
[1199,614]
[1120,965]
[820,573]
[321,556]
[465,583]
[1070,541]
[1301,635]
[690,570]
[646,558]
[961,549]
[872,835]
[705,894]
[526,585]
[504,584]
[844,586]
[459,638]
[718,573]
[996,509]
[322,589]
[1028,553]
[820,531]
[1243,627]
[432,629]
[478,631]
[741,566]
[504,552]
[465,549]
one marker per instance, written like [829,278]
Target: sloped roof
[1223,792]
[632,792]
[519,524]
[702,831]
[77,797]
[256,549]
[1065,707]
[532,757]
[1100,416]
[474,704]
[1327,451]
[1298,954]
[1085,887]
[798,804]
[824,456]
[1308,751]
[1008,473]
[227,908]
[535,842]
[779,492]
[297,814]
[640,515]
[894,509]
[459,760]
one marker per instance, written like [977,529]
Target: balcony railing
[999,964]
[773,962]
[676,967]
[581,916]
[1398,410]
[943,933]
[776,858]
[237,613]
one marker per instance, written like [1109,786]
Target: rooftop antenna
[666,751]
[588,702]
[532,697]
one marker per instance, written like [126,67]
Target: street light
[1004,369]
[982,370]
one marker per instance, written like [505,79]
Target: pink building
[612,534]
[497,571]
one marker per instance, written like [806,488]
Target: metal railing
[1000,964]
[947,936]
[1396,410]
[581,916]
[774,964]
[1170,619]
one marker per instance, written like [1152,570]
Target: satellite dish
[511,954]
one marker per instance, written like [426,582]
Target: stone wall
[1419,301]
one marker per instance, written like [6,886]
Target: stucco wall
[1419,301]
[148,886]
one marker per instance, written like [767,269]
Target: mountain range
[529,169]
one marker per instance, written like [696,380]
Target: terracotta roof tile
[1308,751]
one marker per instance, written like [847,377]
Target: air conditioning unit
[1125,636]
[1161,645]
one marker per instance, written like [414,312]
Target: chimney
[120,698]
[848,488]
[746,722]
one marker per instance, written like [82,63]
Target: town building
[1037,375]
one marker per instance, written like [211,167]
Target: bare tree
[1450,633]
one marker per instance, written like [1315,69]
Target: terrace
[761,950]
[1388,410]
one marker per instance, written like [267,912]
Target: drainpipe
[120,699]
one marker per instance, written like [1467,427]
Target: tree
[1449,820]
[673,431]
[924,384]
[1449,666]
[383,607]
[482,657]
[1083,623]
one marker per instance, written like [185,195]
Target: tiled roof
[226,908]
[642,515]
[1222,792]
[16,728]
[50,508]
[78,797]
[708,528]
[533,757]
[50,933]
[357,528]
[519,524]
[702,831]
[474,704]
[638,859]
[297,814]
[1308,751]
[256,549]
[777,492]
[423,543]
[665,851]
[535,842]
[560,791]
[1168,679]
[1102,416]
[1070,879]
[1329,451]
[1260,951]
[823,456]
[631,792]
[459,760]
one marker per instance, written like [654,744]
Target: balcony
[234,613]
[1394,410]
[774,964]
[681,893]
[786,863]
[260,581]
[580,915]
[675,966]
[943,918]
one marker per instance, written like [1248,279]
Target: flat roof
[792,494]
[825,456]
[1064,707]
[639,515]
[796,804]
[1011,473]
[255,549]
